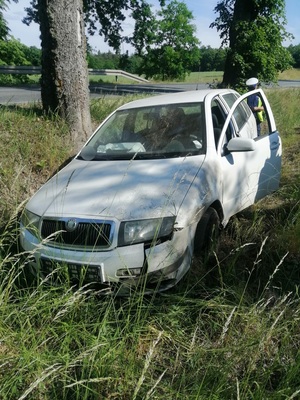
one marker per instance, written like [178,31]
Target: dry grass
[290,74]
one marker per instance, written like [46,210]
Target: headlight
[30,221]
[145,230]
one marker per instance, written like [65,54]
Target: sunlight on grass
[290,74]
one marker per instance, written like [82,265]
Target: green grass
[229,330]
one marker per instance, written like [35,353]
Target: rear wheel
[207,231]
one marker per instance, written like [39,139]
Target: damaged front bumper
[120,270]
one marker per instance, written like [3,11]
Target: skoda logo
[71,225]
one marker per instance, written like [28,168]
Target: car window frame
[241,110]
[231,128]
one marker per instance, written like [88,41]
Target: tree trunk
[244,13]
[64,82]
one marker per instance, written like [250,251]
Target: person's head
[252,83]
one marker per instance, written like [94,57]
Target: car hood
[129,189]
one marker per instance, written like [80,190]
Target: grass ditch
[230,329]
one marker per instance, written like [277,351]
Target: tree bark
[244,12]
[64,82]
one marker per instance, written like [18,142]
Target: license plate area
[70,271]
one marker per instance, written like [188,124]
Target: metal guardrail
[29,70]
[17,70]
[117,72]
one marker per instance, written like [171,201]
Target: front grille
[86,233]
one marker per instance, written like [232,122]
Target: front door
[249,175]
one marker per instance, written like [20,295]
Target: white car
[149,187]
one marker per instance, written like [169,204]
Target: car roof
[191,96]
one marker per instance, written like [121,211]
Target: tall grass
[229,330]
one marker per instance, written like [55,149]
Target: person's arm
[257,106]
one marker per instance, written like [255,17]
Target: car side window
[241,113]
[218,120]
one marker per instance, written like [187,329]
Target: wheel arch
[210,220]
[218,207]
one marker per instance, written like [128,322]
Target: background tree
[212,59]
[103,17]
[295,53]
[12,51]
[254,30]
[168,45]
[100,60]
[130,63]
[33,55]
[4,30]
[64,81]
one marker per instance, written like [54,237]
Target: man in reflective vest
[255,103]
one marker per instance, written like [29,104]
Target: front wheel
[207,231]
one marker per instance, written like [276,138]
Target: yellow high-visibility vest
[260,115]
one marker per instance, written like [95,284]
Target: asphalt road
[31,94]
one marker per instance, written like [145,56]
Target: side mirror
[241,144]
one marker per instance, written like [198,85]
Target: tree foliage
[212,59]
[254,31]
[103,17]
[13,52]
[100,60]
[4,30]
[295,53]
[167,36]
[167,43]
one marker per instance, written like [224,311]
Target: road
[31,94]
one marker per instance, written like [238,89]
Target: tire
[207,231]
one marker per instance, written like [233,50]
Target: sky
[202,11]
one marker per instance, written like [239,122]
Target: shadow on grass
[251,258]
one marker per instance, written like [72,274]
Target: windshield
[176,130]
